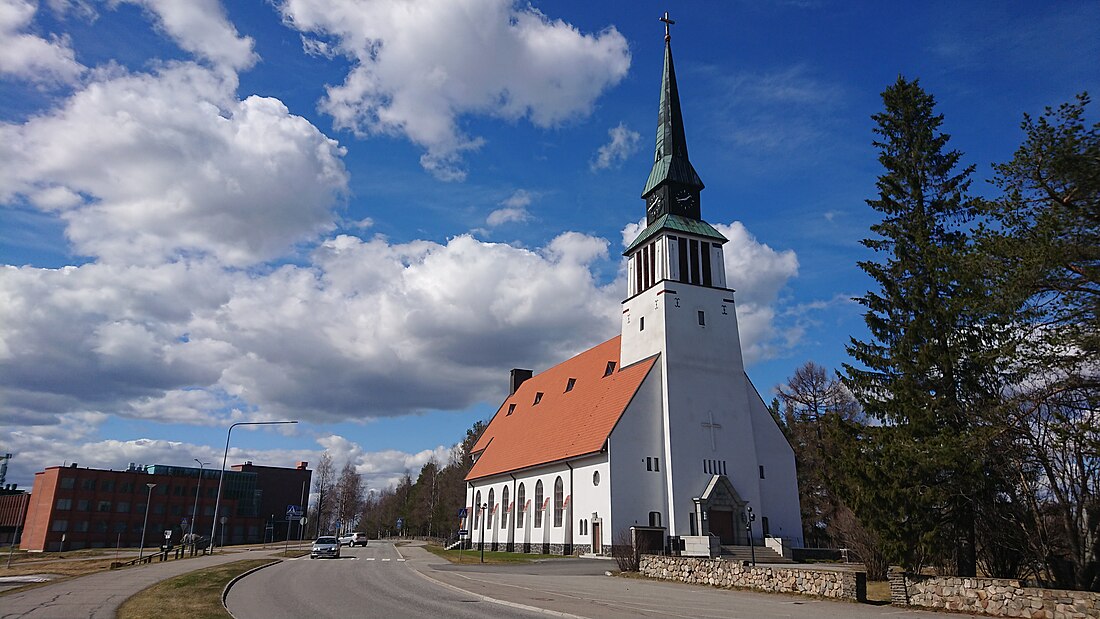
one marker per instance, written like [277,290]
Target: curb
[229,585]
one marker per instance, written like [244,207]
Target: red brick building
[72,507]
[13,512]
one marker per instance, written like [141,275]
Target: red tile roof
[564,424]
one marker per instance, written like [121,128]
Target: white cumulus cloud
[622,144]
[148,167]
[43,60]
[412,76]
[202,28]
[514,209]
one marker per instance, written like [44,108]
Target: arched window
[559,501]
[489,510]
[477,510]
[538,504]
[520,498]
[504,508]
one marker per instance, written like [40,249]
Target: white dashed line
[384,560]
[370,558]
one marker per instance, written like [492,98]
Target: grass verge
[878,591]
[197,595]
[474,556]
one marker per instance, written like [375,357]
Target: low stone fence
[997,597]
[839,584]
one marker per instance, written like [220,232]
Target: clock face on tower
[655,206]
[685,200]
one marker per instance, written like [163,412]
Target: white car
[325,546]
[358,539]
[346,540]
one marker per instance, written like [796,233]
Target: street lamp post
[484,506]
[221,477]
[748,518]
[145,525]
[195,510]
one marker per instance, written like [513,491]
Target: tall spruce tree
[923,373]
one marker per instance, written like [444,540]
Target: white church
[657,433]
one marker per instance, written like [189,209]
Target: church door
[721,524]
[597,541]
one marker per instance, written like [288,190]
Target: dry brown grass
[878,591]
[197,595]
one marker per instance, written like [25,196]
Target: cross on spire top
[668,22]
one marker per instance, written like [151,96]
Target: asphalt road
[359,586]
[374,581]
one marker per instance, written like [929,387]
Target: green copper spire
[670,159]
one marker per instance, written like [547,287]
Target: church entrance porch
[722,524]
[717,511]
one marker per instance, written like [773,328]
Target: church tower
[717,431]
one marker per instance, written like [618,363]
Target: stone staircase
[744,553]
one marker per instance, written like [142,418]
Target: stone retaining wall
[997,597]
[840,584]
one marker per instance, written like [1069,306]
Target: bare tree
[349,496]
[324,483]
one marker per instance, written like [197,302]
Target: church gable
[567,411]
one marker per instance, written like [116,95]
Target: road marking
[370,558]
[384,560]
[401,560]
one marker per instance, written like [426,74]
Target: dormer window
[511,408]
[569,385]
[538,398]
[610,368]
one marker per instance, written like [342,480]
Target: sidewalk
[99,595]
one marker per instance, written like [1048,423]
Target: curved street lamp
[195,509]
[221,477]
[145,525]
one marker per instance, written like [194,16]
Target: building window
[101,526]
[691,524]
[177,510]
[158,508]
[122,507]
[520,506]
[60,526]
[657,464]
[67,483]
[610,368]
[559,501]
[595,478]
[538,397]
[504,508]
[569,385]
[538,504]
[511,409]
[489,510]
[702,319]
[87,484]
[64,504]
[764,526]
[82,505]
[477,510]
[81,526]
[120,527]
[648,463]
[108,485]
[126,487]
[761,471]
[654,519]
[103,506]
[641,323]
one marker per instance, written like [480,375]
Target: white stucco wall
[636,491]
[582,499]
[712,412]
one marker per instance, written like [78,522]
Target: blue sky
[362,214]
